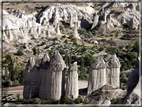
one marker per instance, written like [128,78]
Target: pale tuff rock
[76,35]
[57,29]
[98,64]
[135,96]
[113,62]
[48,34]
[51,80]
[133,86]
[133,77]
[96,18]
[31,83]
[97,75]
[46,82]
[30,64]
[72,81]
[57,63]
[45,60]
[113,71]
[71,21]
[106,101]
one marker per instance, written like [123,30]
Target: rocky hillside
[20,27]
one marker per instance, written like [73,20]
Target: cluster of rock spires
[19,27]
[102,73]
[48,80]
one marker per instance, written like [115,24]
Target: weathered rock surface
[76,35]
[51,80]
[133,86]
[31,83]
[72,81]
[97,75]
[113,71]
[135,96]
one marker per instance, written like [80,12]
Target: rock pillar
[76,35]
[57,29]
[97,75]
[96,18]
[113,71]
[31,82]
[72,81]
[51,82]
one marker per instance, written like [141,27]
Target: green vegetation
[63,100]
[20,52]
[14,75]
[116,101]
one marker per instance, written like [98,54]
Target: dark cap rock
[57,63]
[113,62]
[98,64]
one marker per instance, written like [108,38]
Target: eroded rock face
[76,35]
[135,96]
[133,77]
[31,83]
[72,81]
[96,19]
[113,71]
[97,75]
[51,79]
[133,86]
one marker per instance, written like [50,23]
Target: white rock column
[71,20]
[96,18]
[76,35]
[51,83]
[57,29]
[72,81]
[97,75]
[113,71]
[28,79]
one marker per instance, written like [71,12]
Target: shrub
[74,39]
[20,52]
[66,100]
[64,36]
[116,101]
[101,49]
[78,100]
[54,39]
[71,36]
[89,59]
[66,41]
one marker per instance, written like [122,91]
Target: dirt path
[81,84]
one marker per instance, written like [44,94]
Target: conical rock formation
[97,75]
[113,71]
[72,81]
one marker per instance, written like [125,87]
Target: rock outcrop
[72,81]
[51,80]
[113,71]
[96,19]
[133,86]
[45,82]
[76,35]
[31,83]
[97,75]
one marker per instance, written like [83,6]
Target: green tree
[20,52]
[136,47]
[89,59]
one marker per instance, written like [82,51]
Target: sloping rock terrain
[20,27]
